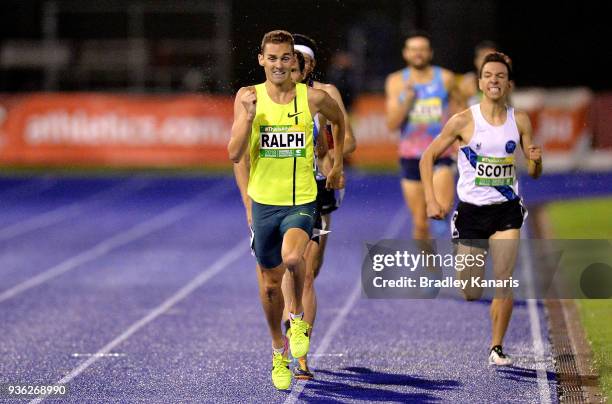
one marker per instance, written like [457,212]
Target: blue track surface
[100,266]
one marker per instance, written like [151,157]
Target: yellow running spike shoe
[281,374]
[299,340]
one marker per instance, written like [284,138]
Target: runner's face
[417,52]
[296,74]
[277,60]
[494,82]
[309,65]
[480,55]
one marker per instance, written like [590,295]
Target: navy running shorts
[271,222]
[410,167]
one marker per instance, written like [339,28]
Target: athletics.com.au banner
[115,130]
[193,130]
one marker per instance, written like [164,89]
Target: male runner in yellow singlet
[273,122]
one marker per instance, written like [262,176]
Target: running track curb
[573,358]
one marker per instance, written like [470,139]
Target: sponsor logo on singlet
[510,146]
[494,171]
[426,110]
[282,141]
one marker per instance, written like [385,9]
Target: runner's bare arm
[323,103]
[450,133]
[533,153]
[456,101]
[399,97]
[350,143]
[244,114]
[322,147]
[467,87]
[241,174]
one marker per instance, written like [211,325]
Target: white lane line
[534,321]
[396,224]
[28,188]
[101,355]
[228,258]
[63,212]
[392,231]
[121,238]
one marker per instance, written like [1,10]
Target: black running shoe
[498,358]
[302,374]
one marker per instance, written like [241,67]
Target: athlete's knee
[292,259]
[472,294]
[271,282]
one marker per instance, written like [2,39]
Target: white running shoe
[498,358]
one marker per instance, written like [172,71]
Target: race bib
[427,110]
[282,141]
[494,171]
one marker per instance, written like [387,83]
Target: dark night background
[553,44]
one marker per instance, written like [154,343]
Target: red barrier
[115,130]
[193,130]
[601,118]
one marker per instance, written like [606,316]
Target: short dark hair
[301,39]
[486,44]
[276,36]
[301,60]
[417,33]
[500,58]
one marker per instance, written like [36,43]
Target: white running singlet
[487,170]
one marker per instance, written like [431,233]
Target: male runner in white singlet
[490,208]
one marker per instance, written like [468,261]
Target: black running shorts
[472,222]
[327,202]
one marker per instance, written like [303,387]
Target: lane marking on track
[534,321]
[120,239]
[392,231]
[223,262]
[99,355]
[63,212]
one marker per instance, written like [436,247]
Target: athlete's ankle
[294,316]
[280,346]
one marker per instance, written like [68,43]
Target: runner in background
[469,82]
[328,200]
[417,103]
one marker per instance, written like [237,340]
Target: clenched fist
[335,179]
[535,153]
[248,99]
